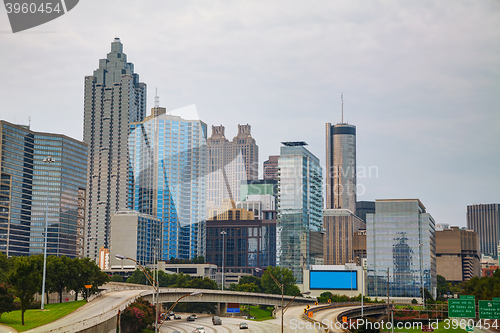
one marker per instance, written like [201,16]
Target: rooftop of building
[294,143]
[401,200]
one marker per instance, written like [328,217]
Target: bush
[137,316]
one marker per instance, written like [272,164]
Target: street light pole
[282,292]
[223,233]
[150,279]
[157,283]
[362,286]
[47,161]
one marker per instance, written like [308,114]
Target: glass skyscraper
[114,98]
[401,246]
[31,188]
[299,206]
[168,156]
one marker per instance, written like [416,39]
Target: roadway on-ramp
[105,303]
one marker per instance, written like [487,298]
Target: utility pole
[388,304]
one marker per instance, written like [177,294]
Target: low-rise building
[457,254]
[136,236]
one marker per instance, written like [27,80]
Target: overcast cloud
[421,80]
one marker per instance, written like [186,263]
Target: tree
[198,260]
[181,280]
[137,316]
[6,298]
[4,267]
[138,277]
[324,297]
[60,272]
[116,278]
[248,287]
[25,278]
[164,279]
[284,276]
[248,279]
[86,272]
[199,283]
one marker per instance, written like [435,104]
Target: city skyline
[419,82]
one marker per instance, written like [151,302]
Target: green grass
[34,318]
[440,329]
[261,314]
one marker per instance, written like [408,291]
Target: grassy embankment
[36,317]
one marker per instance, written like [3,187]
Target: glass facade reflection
[168,157]
[248,244]
[300,202]
[400,237]
[31,188]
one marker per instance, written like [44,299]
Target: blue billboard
[333,280]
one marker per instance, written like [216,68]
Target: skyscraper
[239,159]
[168,156]
[300,202]
[340,227]
[34,191]
[485,220]
[114,98]
[400,237]
[271,167]
[341,166]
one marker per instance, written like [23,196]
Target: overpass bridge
[170,295]
[101,313]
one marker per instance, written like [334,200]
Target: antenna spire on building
[157,99]
[342,98]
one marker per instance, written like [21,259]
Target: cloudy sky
[421,80]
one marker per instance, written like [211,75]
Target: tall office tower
[485,220]
[271,167]
[340,226]
[363,208]
[300,203]
[341,167]
[114,98]
[35,189]
[457,254]
[400,238]
[168,155]
[239,159]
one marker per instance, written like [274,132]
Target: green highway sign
[461,308]
[467,297]
[489,309]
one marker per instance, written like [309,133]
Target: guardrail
[305,315]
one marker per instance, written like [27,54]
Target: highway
[228,325]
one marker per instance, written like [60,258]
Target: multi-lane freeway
[293,323]
[228,325]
